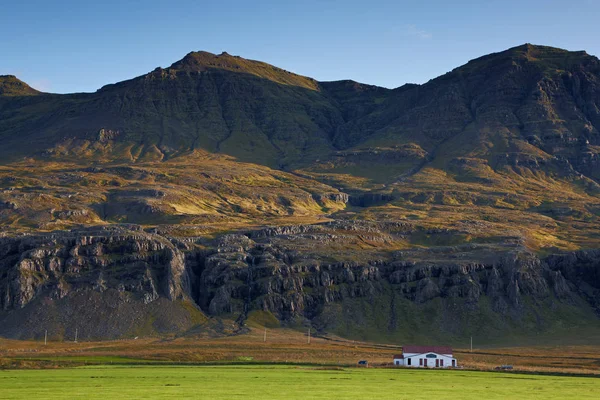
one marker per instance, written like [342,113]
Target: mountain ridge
[203,60]
[221,189]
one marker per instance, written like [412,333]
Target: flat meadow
[285,382]
[284,366]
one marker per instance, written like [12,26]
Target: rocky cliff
[107,281]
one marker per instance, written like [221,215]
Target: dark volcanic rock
[136,267]
[127,273]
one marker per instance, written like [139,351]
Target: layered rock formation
[111,276]
[128,271]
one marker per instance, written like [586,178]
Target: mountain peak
[10,85]
[197,61]
[547,59]
[539,52]
[200,61]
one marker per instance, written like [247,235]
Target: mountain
[220,193]
[219,103]
[11,86]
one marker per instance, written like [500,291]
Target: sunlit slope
[236,187]
[198,188]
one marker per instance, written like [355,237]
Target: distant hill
[225,189]
[11,86]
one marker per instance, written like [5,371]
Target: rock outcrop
[263,270]
[133,268]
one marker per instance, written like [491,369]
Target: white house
[425,356]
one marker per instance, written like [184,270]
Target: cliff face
[506,288]
[143,265]
[107,282]
[117,278]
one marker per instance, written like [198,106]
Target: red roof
[427,349]
[398,356]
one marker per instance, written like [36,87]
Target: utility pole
[308,335]
[471,344]
[75,335]
[265,338]
[46,338]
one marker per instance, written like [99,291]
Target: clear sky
[80,45]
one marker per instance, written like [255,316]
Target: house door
[437,363]
[454,363]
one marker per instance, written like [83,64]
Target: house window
[441,362]
[420,361]
[409,361]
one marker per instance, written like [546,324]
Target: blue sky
[69,46]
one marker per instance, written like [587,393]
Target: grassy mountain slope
[199,188]
[496,160]
[11,86]
[226,104]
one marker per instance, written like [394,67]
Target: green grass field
[280,382]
